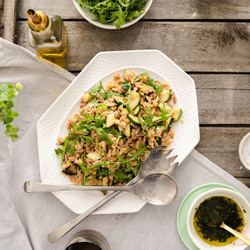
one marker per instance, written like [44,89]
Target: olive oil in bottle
[48,36]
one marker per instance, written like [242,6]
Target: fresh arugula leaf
[114,12]
[165,113]
[94,101]
[58,151]
[144,74]
[157,86]
[72,150]
[88,117]
[94,91]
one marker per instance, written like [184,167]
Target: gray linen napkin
[43,83]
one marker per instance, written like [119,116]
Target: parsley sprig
[8,93]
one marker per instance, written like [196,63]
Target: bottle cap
[37,19]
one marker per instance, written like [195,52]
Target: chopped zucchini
[165,106]
[134,99]
[146,88]
[134,119]
[110,120]
[168,123]
[160,128]
[120,128]
[158,140]
[177,113]
[103,106]
[70,168]
[137,110]
[94,156]
[127,130]
[87,97]
[156,119]
[165,95]
[118,103]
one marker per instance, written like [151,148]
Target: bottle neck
[37,21]
[42,34]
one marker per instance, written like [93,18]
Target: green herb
[94,101]
[157,86]
[58,151]
[144,74]
[126,86]
[229,212]
[115,12]
[8,92]
[134,156]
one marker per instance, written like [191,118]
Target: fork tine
[172,158]
[156,152]
[158,148]
[172,167]
[168,151]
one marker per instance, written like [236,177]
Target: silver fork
[156,162]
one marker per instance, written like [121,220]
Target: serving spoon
[157,189]
[217,222]
[156,162]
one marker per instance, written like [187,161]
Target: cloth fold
[43,82]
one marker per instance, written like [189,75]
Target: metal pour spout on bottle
[48,36]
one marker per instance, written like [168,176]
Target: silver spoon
[157,189]
[216,221]
[161,164]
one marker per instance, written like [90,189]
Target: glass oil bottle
[48,36]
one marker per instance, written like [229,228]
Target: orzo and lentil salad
[115,129]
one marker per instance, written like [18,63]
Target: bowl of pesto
[234,210]
[112,14]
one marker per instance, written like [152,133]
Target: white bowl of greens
[110,14]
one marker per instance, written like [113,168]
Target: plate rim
[89,65]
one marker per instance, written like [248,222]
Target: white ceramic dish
[90,17]
[53,122]
[244,150]
[238,198]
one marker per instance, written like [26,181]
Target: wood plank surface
[194,46]
[160,9]
[1,17]
[245,181]
[9,20]
[1,22]
[218,104]
[220,145]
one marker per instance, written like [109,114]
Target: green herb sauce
[230,213]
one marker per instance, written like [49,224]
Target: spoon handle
[237,234]
[62,230]
[34,187]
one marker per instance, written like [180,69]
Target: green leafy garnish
[58,151]
[126,86]
[116,12]
[8,92]
[157,86]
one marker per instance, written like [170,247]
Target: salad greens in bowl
[112,14]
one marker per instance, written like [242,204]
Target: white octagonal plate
[53,123]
